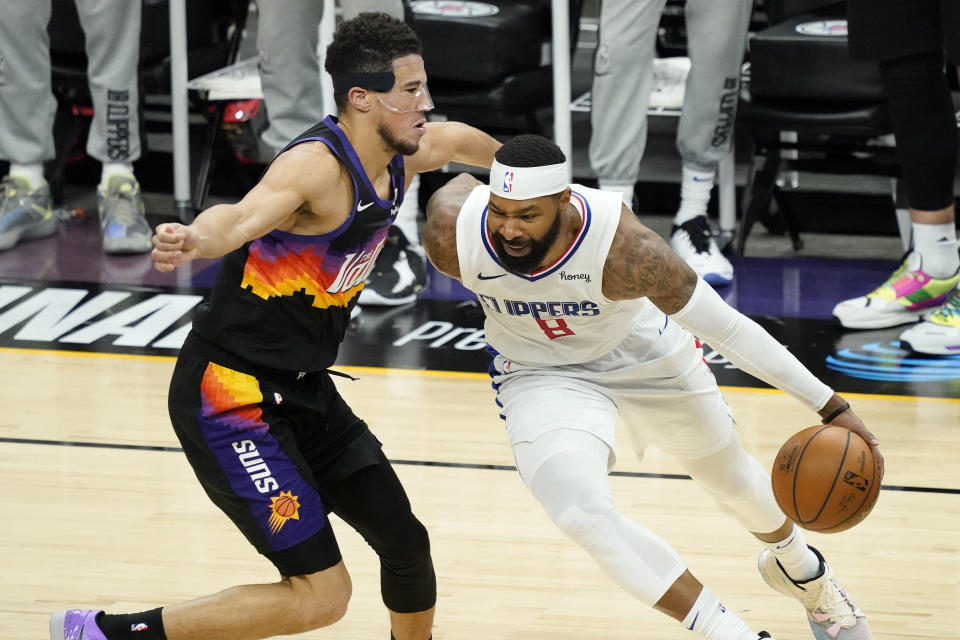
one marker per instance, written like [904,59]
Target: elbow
[686,289]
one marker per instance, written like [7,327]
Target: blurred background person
[27,109]
[908,40]
[623,79]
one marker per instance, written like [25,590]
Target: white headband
[523,183]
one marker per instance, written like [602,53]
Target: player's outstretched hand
[174,245]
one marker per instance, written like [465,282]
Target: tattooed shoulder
[641,264]
[440,239]
[440,231]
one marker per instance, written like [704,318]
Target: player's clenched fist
[174,244]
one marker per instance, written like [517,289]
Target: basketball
[284,506]
[826,479]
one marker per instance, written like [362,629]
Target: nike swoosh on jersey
[361,206]
[480,276]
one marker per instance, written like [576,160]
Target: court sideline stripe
[441,373]
[420,463]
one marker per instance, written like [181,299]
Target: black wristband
[836,412]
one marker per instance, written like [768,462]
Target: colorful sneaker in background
[25,212]
[902,299]
[939,334]
[122,219]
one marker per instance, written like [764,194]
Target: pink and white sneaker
[830,613]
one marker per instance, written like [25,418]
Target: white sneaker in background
[693,241]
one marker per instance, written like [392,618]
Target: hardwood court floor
[118,521]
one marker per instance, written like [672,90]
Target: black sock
[146,625]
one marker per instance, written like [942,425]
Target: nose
[426,101]
[511,229]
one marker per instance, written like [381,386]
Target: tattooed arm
[439,234]
[640,264]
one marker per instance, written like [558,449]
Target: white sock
[625,189]
[409,211]
[712,620]
[32,173]
[795,556]
[111,169]
[695,187]
[937,246]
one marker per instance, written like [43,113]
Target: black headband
[380,81]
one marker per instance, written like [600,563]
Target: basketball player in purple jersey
[251,400]
[589,315]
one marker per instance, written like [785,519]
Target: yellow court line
[86,354]
[441,373]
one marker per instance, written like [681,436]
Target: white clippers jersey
[557,315]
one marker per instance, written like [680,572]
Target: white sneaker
[939,333]
[831,615]
[693,241]
[399,274]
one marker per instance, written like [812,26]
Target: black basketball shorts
[265,445]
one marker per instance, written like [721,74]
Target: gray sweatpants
[27,105]
[623,78]
[287,38]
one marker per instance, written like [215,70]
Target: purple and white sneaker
[76,624]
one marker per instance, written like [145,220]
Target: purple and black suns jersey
[283,301]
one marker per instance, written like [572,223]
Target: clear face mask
[406,100]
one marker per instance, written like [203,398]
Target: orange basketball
[826,479]
[284,506]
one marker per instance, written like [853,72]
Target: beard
[402,147]
[538,249]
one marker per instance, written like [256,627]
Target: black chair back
[780,10]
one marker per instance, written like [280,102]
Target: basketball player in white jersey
[590,315]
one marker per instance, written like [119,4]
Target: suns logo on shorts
[282,508]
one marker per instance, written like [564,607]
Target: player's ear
[564,201]
[359,99]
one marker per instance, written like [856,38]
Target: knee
[407,543]
[590,528]
[408,583]
[318,600]
[325,612]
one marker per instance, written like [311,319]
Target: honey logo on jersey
[282,508]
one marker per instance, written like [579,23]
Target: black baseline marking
[423,463]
